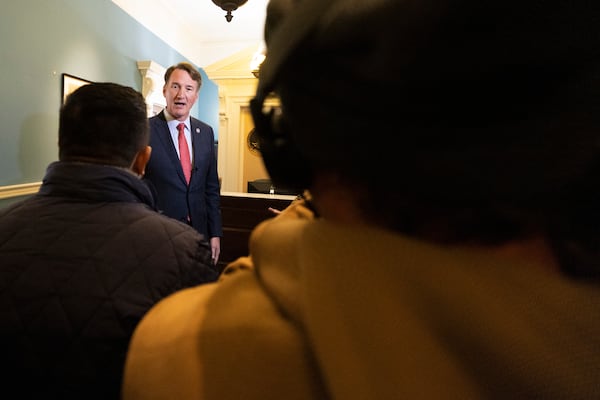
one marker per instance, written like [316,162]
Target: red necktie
[184,153]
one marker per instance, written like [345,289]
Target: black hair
[104,123]
[457,120]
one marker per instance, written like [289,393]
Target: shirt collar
[172,122]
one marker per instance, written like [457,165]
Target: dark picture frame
[70,83]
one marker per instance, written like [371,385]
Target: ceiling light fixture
[229,6]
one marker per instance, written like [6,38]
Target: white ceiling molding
[197,28]
[152,85]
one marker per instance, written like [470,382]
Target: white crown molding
[236,66]
[152,84]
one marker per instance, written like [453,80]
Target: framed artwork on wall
[70,83]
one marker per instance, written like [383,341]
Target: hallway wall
[39,41]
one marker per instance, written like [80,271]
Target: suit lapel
[196,143]
[195,130]
[167,143]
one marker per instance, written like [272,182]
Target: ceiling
[198,29]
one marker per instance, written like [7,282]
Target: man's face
[180,93]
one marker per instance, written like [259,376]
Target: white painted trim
[19,190]
[152,85]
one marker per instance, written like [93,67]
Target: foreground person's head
[453,121]
[105,123]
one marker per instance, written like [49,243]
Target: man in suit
[196,202]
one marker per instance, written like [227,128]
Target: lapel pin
[197,130]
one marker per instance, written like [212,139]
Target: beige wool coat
[321,311]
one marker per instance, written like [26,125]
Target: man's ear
[141,160]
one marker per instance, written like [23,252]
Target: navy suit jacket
[201,199]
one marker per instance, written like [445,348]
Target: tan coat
[340,313]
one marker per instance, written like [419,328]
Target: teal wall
[92,39]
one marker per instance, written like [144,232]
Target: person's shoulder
[182,230]
[15,207]
[158,118]
[151,222]
[173,233]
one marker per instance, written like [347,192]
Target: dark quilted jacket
[80,264]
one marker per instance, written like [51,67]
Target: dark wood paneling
[240,215]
